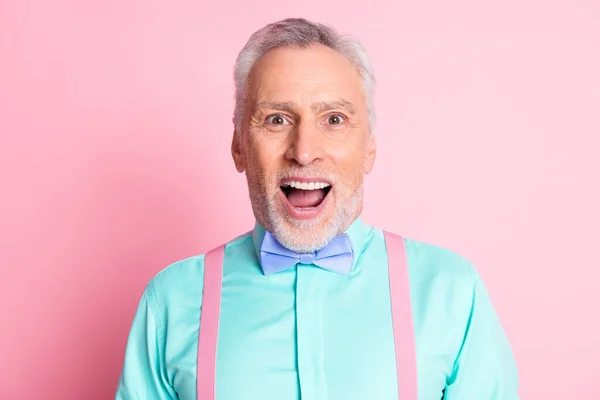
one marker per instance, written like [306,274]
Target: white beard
[306,236]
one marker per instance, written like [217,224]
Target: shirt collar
[358,231]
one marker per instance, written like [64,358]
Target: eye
[335,119]
[276,119]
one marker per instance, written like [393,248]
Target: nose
[306,145]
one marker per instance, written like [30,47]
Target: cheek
[349,159]
[264,158]
[352,172]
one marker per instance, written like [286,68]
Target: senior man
[314,303]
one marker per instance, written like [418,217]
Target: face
[305,145]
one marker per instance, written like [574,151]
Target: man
[303,306]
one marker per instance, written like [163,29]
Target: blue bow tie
[337,256]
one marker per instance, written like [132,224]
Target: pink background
[114,143]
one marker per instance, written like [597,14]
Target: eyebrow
[332,105]
[277,105]
[316,107]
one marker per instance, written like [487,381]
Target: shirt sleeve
[144,375]
[485,368]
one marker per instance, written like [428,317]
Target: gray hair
[300,33]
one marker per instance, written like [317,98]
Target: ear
[371,154]
[237,152]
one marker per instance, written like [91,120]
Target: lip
[308,212]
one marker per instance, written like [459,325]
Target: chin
[306,230]
[304,235]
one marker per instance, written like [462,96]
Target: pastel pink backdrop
[114,140]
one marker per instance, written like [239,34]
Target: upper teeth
[307,185]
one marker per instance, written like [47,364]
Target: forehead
[303,76]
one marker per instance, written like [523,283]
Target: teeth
[306,185]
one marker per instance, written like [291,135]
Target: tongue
[305,198]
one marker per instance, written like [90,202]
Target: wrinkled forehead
[305,77]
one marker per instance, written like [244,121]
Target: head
[303,130]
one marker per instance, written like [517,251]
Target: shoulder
[439,275]
[184,279]
[429,260]
[442,283]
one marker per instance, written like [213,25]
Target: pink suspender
[401,317]
[406,358]
[209,325]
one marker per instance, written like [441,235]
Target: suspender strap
[406,359]
[209,324]
[401,317]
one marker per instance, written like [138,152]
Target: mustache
[304,172]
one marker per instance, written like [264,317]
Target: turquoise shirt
[308,333]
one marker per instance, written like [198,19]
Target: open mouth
[305,195]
